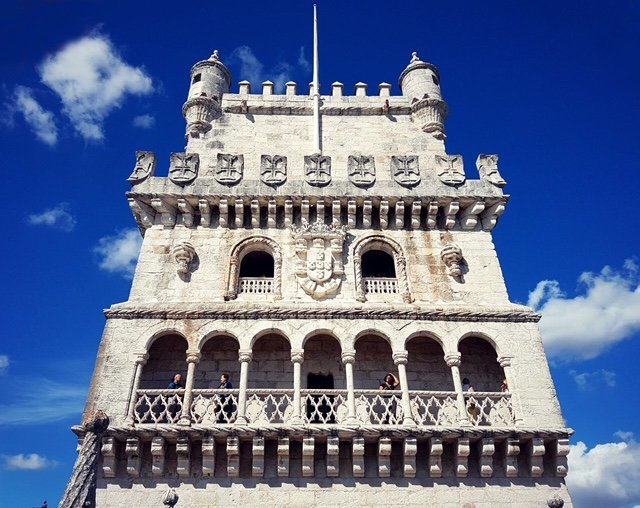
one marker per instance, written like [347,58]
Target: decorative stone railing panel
[434,408]
[489,408]
[378,407]
[255,285]
[324,406]
[214,406]
[269,406]
[380,286]
[158,406]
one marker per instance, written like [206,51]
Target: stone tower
[308,275]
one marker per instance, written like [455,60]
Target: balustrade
[158,406]
[255,285]
[324,406]
[380,286]
[488,408]
[214,406]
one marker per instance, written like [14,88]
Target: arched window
[255,268]
[380,269]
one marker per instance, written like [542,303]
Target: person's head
[224,377]
[389,379]
[466,381]
[177,378]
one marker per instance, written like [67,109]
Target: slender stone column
[141,360]
[297,357]
[193,357]
[453,361]
[245,356]
[349,358]
[505,363]
[400,359]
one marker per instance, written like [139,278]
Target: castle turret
[420,83]
[210,79]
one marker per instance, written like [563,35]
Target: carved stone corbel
[410,452]
[435,457]
[384,457]
[283,456]
[158,453]
[233,456]
[358,456]
[560,456]
[208,455]
[257,465]
[184,254]
[511,451]
[109,456]
[462,457]
[308,449]
[486,449]
[183,450]
[452,256]
[133,451]
[536,455]
[333,456]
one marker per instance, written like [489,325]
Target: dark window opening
[435,80]
[376,263]
[320,382]
[257,264]
[197,78]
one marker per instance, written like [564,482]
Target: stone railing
[434,408]
[158,406]
[378,407]
[380,286]
[324,406]
[214,406]
[269,405]
[489,408]
[255,285]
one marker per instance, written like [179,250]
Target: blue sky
[550,86]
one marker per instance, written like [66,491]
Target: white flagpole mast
[316,86]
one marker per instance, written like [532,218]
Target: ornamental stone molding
[319,267]
[273,169]
[453,359]
[229,169]
[144,168]
[389,246]
[488,168]
[348,357]
[317,170]
[184,167]
[245,355]
[452,256]
[405,170]
[245,246]
[450,169]
[297,356]
[199,112]
[184,254]
[362,170]
[401,358]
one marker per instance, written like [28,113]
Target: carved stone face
[450,169]
[488,168]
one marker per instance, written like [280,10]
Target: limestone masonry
[307,273]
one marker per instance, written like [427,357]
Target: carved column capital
[245,355]
[140,358]
[349,357]
[297,355]
[400,358]
[453,359]
[505,361]
[193,356]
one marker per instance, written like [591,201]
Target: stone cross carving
[144,168]
[488,168]
[184,167]
[450,169]
[319,267]
[405,170]
[273,169]
[229,169]
[317,169]
[362,170]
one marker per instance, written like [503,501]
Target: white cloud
[4,363]
[39,119]
[57,217]
[595,379]
[253,71]
[91,80]
[119,252]
[28,462]
[606,312]
[144,121]
[606,475]
[624,436]
[40,400]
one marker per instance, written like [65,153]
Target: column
[141,360]
[245,356]
[453,361]
[297,357]
[400,359]
[348,359]
[505,363]
[193,357]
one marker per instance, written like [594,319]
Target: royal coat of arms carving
[405,170]
[229,169]
[362,170]
[488,168]
[317,169]
[144,168]
[273,169]
[184,167]
[450,169]
[319,266]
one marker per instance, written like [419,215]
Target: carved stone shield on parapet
[362,170]
[450,169]
[319,267]
[144,168]
[488,168]
[405,170]
[229,169]
[184,167]
[273,169]
[317,169]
